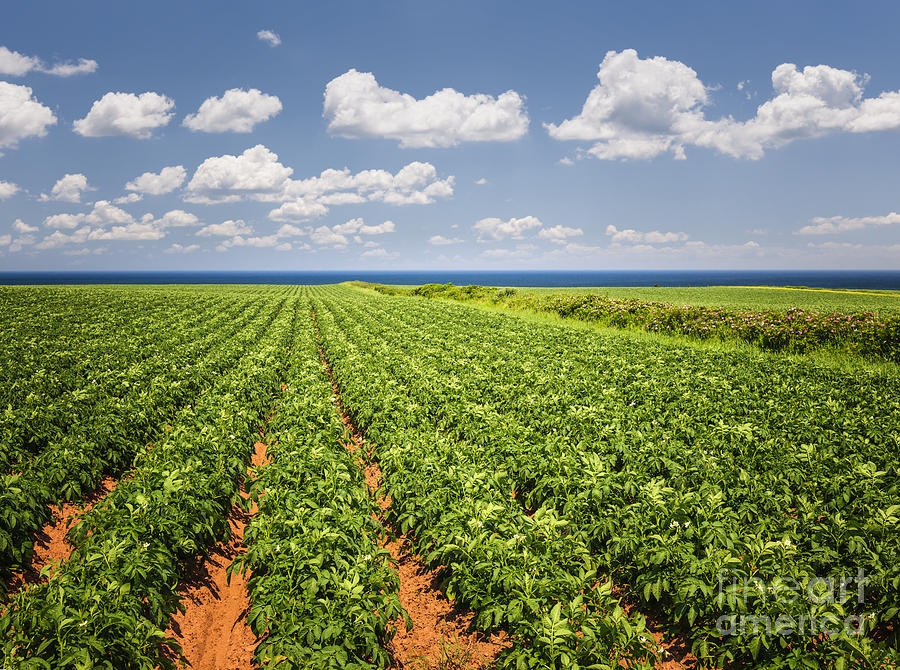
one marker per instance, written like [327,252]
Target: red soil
[50,545]
[213,631]
[439,636]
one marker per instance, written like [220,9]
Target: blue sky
[411,135]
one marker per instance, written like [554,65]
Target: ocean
[847,279]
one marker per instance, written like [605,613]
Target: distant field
[884,303]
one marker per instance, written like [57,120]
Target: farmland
[585,497]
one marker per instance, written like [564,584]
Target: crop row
[521,572]
[797,330]
[679,471]
[323,592]
[43,408]
[108,606]
[106,441]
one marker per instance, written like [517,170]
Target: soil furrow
[212,631]
[439,637]
[50,545]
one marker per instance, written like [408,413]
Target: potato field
[583,497]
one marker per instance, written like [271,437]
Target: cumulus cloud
[5,240]
[255,174]
[498,229]
[137,230]
[71,68]
[267,241]
[325,236]
[440,240]
[379,253]
[631,236]
[21,115]
[8,189]
[645,107]
[181,249]
[66,221]
[16,64]
[839,224]
[105,212]
[481,182]
[175,218]
[128,199]
[68,189]
[359,227]
[298,210]
[59,238]
[414,184]
[21,227]
[152,183]
[230,228]
[237,111]
[520,251]
[126,114]
[356,106]
[258,175]
[270,37]
[559,234]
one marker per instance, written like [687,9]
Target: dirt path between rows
[50,545]
[213,632]
[439,637]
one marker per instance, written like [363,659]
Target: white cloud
[59,238]
[68,69]
[228,228]
[414,184]
[8,189]
[559,234]
[21,242]
[298,210]
[325,236]
[137,230]
[497,229]
[631,113]
[21,115]
[481,182]
[5,240]
[839,224]
[16,64]
[645,107]
[181,249]
[270,37]
[67,221]
[288,230]
[565,160]
[21,227]
[268,241]
[151,183]
[68,189]
[440,240]
[356,106]
[358,226]
[175,218]
[379,253]
[631,236]
[128,199]
[105,212]
[237,111]
[255,174]
[126,114]
[521,251]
